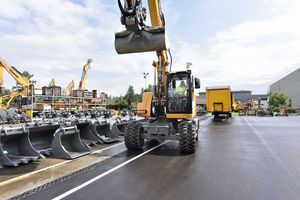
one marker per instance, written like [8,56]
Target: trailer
[219,101]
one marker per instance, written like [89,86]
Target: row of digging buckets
[21,145]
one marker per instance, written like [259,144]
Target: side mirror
[197,83]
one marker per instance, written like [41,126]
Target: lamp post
[145,77]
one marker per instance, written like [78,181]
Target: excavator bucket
[67,143]
[118,129]
[15,148]
[41,136]
[103,132]
[86,135]
[147,39]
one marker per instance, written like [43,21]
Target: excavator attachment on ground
[67,143]
[41,135]
[15,147]
[88,138]
[138,37]
[103,132]
[118,129]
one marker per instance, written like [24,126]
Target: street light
[188,64]
[145,77]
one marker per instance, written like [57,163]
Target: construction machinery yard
[172,142]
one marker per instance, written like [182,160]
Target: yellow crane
[86,67]
[52,83]
[171,109]
[22,81]
[70,88]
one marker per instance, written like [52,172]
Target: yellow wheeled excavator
[170,110]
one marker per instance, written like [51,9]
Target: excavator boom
[138,37]
[86,67]
[20,79]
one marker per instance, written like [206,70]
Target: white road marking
[105,173]
[205,121]
[31,173]
[100,150]
[50,167]
[264,142]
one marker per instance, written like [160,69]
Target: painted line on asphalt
[205,121]
[31,173]
[105,173]
[264,142]
[100,150]
[50,167]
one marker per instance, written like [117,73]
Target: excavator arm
[20,79]
[86,67]
[139,37]
[70,88]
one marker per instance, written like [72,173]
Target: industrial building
[289,85]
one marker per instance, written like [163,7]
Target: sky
[247,45]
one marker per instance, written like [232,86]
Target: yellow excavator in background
[52,83]
[70,88]
[171,109]
[86,67]
[23,84]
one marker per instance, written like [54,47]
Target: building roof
[218,88]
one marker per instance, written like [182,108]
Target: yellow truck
[219,101]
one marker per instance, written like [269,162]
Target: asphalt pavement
[242,158]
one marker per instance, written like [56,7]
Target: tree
[277,100]
[290,104]
[150,88]
[27,75]
[130,96]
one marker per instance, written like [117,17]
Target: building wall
[242,95]
[289,85]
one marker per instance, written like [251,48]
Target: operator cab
[180,90]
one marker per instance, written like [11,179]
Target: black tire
[187,137]
[134,136]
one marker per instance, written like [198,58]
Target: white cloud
[250,55]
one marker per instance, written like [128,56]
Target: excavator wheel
[134,136]
[187,137]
